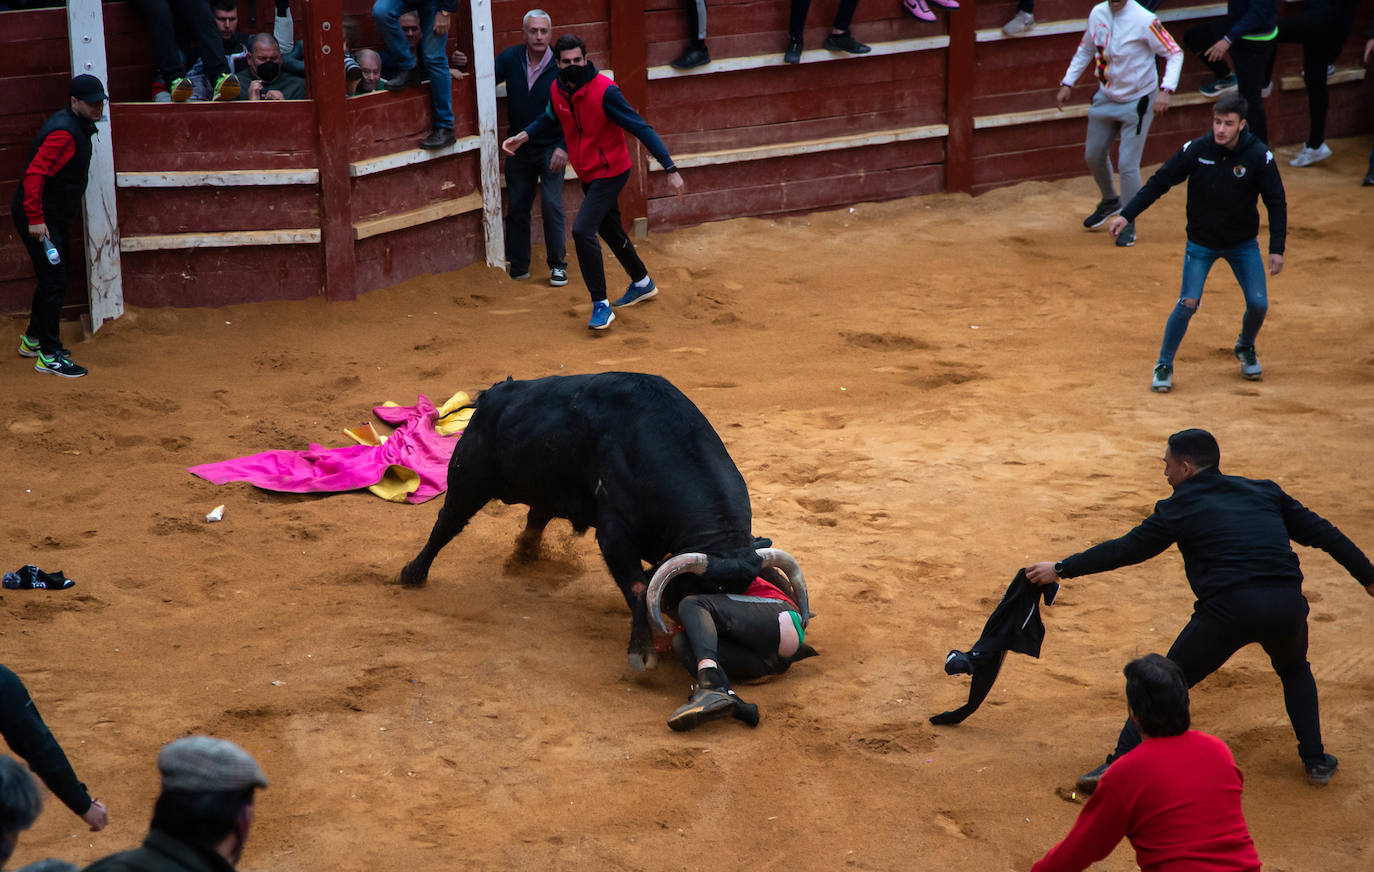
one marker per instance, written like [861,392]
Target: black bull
[626,453]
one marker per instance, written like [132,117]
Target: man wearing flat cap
[46,201]
[202,817]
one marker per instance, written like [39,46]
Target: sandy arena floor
[923,395]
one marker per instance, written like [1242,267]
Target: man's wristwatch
[1059,569]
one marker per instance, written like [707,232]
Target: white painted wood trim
[1341,76]
[225,239]
[810,146]
[754,62]
[1078,110]
[217,178]
[484,66]
[415,217]
[410,157]
[104,276]
[1078,25]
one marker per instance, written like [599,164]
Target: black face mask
[573,76]
[268,70]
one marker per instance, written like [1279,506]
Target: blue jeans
[387,14]
[1248,266]
[525,169]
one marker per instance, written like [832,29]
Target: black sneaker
[410,78]
[1087,782]
[59,364]
[1126,238]
[846,42]
[793,53]
[1319,772]
[694,56]
[705,705]
[439,137]
[1217,87]
[1102,214]
[558,276]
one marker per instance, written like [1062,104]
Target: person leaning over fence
[594,116]
[236,44]
[434,18]
[1121,42]
[529,71]
[1177,797]
[203,815]
[264,78]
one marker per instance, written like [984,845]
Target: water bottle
[51,250]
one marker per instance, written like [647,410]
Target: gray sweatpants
[1105,120]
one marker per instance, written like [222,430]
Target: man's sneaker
[1087,782]
[1217,87]
[694,56]
[410,78]
[27,347]
[439,137]
[1102,214]
[1309,156]
[707,704]
[1267,90]
[793,53]
[847,43]
[160,92]
[602,316]
[1126,238]
[1163,381]
[226,88]
[182,89]
[59,364]
[558,276]
[1319,772]
[1021,22]
[634,294]
[1249,362]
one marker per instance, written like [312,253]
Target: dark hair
[1232,103]
[1157,693]
[1196,445]
[225,5]
[351,34]
[200,817]
[568,42]
[20,801]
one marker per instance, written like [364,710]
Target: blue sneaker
[634,294]
[602,316]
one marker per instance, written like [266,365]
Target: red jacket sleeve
[1100,826]
[57,148]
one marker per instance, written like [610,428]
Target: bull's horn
[780,559]
[692,562]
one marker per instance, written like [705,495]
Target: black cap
[87,88]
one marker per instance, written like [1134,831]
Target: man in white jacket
[1121,43]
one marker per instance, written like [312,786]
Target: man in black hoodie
[1234,535]
[1228,171]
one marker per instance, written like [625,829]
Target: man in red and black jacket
[594,116]
[48,197]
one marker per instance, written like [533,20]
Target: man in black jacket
[1228,171]
[529,71]
[1234,535]
[30,738]
[47,199]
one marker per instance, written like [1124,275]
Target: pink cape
[415,447]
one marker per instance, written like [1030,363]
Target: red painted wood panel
[144,211]
[222,276]
[414,186]
[440,246]
[214,136]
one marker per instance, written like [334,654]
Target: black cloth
[45,315]
[162,853]
[199,22]
[1014,625]
[291,87]
[30,577]
[796,19]
[30,738]
[600,214]
[1232,531]
[1273,616]
[739,634]
[1224,188]
[1250,59]
[523,105]
[62,191]
[1321,28]
[527,170]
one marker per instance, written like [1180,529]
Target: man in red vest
[594,117]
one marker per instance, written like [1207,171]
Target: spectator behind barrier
[371,65]
[202,817]
[236,44]
[164,16]
[264,79]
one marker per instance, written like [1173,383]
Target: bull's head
[791,579]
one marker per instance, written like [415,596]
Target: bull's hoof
[639,662]
[411,577]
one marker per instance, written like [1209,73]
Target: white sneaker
[1267,90]
[1309,156]
[1020,23]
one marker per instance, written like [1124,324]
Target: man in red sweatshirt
[47,199]
[1176,796]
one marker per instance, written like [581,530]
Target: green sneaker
[27,347]
[182,90]
[59,364]
[227,88]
